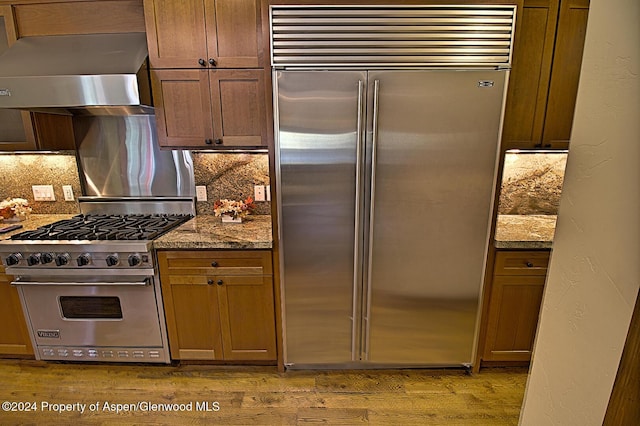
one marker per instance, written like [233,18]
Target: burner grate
[106,227]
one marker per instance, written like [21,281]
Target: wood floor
[254,395]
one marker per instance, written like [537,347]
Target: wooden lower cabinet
[514,304]
[14,335]
[219,305]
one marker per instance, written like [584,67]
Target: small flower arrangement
[15,207]
[235,209]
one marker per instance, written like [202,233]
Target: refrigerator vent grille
[397,36]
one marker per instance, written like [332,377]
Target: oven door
[87,313]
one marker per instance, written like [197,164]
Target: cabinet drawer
[214,280]
[216,262]
[521,263]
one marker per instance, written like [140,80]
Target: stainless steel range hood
[67,72]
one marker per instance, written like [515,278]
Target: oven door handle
[85,284]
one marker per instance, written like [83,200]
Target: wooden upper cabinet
[544,77]
[238,105]
[203,33]
[565,74]
[210,108]
[530,74]
[182,107]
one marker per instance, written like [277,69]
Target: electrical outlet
[268,192]
[68,192]
[201,193]
[258,192]
[43,193]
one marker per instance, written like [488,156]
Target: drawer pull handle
[214,263]
[220,282]
[210,282]
[529,265]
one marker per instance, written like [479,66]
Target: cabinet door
[529,78]
[16,129]
[193,318]
[512,320]
[567,61]
[233,33]
[14,336]
[247,317]
[196,33]
[183,110]
[237,99]
[176,33]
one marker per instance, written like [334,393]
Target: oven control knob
[134,260]
[13,259]
[46,258]
[112,260]
[33,259]
[83,260]
[62,259]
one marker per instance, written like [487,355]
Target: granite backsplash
[532,183]
[18,172]
[230,176]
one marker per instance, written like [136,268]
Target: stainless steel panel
[138,205]
[139,325]
[119,157]
[74,71]
[437,136]
[318,115]
[375,36]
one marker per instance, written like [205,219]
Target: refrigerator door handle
[355,324]
[372,196]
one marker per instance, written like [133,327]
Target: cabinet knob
[220,282]
[529,265]
[208,141]
[218,141]
[202,62]
[212,62]
[214,263]
[210,282]
[541,145]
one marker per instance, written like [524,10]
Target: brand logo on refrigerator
[50,334]
[485,83]
[5,92]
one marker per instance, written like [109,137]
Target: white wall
[594,275]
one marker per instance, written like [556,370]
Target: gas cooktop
[89,241]
[106,227]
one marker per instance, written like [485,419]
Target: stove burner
[106,227]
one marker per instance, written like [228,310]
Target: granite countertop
[525,231]
[208,232]
[32,222]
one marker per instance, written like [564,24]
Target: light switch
[201,193]
[258,192]
[268,192]
[67,190]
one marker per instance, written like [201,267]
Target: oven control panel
[113,354]
[84,260]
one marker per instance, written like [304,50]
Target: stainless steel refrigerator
[385,180]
